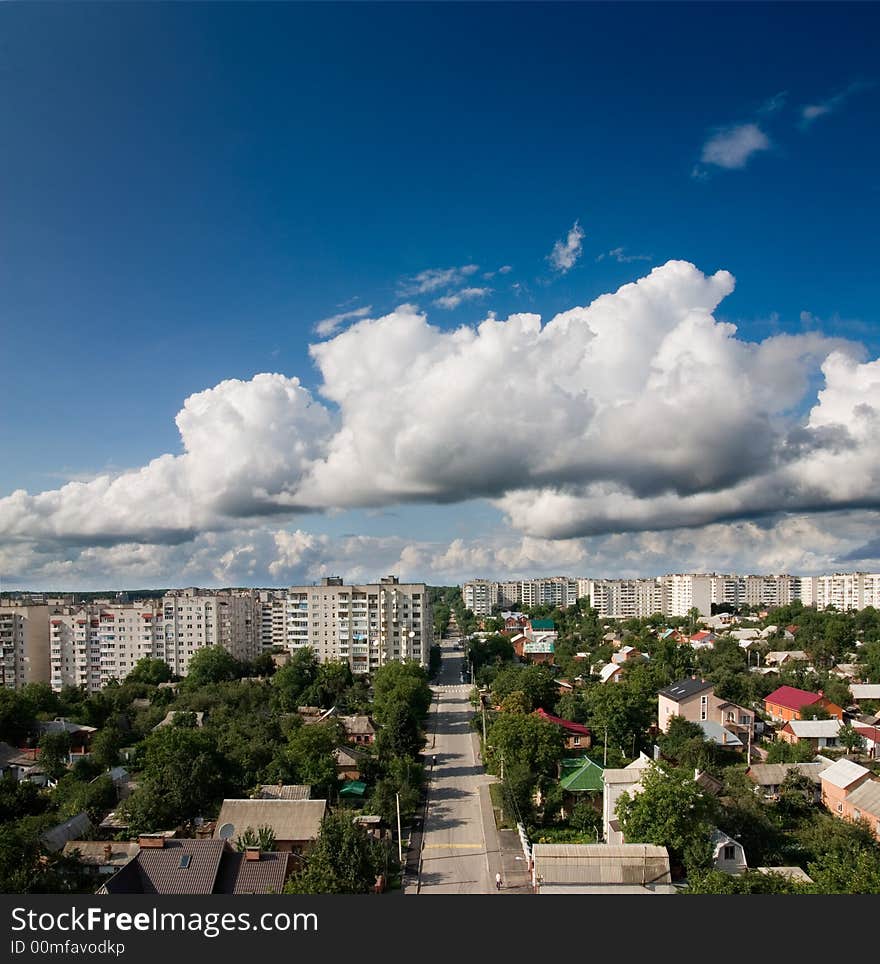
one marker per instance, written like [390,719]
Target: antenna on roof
[226,831]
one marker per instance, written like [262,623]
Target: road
[455,857]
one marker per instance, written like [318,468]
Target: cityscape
[439,454]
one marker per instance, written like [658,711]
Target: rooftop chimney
[151,840]
[108,851]
[251,853]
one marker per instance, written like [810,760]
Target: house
[818,733]
[787,703]
[702,640]
[601,869]
[865,691]
[615,782]
[695,700]
[627,654]
[73,829]
[295,823]
[21,765]
[359,729]
[871,736]
[783,656]
[168,866]
[728,854]
[101,857]
[282,791]
[349,762]
[314,714]
[611,673]
[769,777]
[720,735]
[536,626]
[540,650]
[577,736]
[581,775]
[850,792]
[518,641]
[80,734]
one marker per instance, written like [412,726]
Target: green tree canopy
[344,860]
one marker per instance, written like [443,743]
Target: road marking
[453,846]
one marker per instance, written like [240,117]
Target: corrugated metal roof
[286,791]
[813,729]
[867,797]
[290,820]
[601,864]
[865,691]
[843,773]
[774,774]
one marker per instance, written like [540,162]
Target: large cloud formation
[640,412]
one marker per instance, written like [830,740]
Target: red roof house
[787,703]
[577,736]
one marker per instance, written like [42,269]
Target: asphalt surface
[459,845]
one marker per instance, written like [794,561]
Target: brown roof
[290,820]
[284,791]
[264,876]
[360,725]
[94,852]
[158,870]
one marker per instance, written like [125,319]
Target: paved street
[455,855]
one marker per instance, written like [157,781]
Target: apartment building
[685,591]
[624,598]
[847,590]
[24,645]
[92,645]
[194,618]
[368,625]
[480,595]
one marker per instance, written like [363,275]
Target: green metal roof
[354,788]
[544,625]
[581,775]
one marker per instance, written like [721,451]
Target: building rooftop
[289,819]
[580,776]
[685,688]
[792,698]
[843,773]
[601,864]
[814,729]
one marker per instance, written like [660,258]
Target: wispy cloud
[619,254]
[774,103]
[433,279]
[732,147]
[566,251]
[455,298]
[812,112]
[326,326]
[504,269]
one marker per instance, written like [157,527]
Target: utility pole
[605,754]
[399,835]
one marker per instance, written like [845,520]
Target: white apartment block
[847,590]
[480,595]
[685,591]
[625,598]
[24,645]
[367,625]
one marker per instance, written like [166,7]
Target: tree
[105,747]
[344,860]
[585,818]
[516,702]
[149,670]
[54,753]
[183,777]
[851,739]
[782,752]
[400,734]
[308,755]
[291,681]
[263,837]
[528,740]
[212,664]
[398,682]
[671,811]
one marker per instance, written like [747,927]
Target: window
[185,861]
[729,852]
[840,808]
[704,707]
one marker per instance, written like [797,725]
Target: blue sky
[189,190]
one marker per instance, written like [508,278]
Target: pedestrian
[498,881]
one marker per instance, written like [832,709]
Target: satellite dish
[411,634]
[226,831]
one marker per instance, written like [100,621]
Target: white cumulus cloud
[567,250]
[732,147]
[456,298]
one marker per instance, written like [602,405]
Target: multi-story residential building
[509,593]
[626,598]
[273,607]
[92,645]
[480,595]
[685,591]
[24,645]
[367,625]
[847,590]
[195,618]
